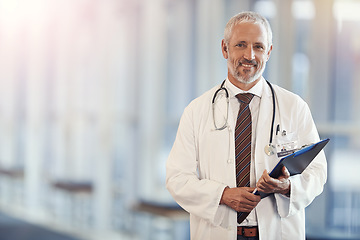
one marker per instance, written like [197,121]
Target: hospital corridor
[92,91]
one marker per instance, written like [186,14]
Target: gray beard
[236,74]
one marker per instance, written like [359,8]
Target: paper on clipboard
[296,162]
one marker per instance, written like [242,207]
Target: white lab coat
[201,164]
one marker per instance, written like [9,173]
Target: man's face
[247,53]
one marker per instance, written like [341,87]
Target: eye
[259,47]
[240,45]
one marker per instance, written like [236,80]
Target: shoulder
[290,102]
[203,101]
[286,95]
[199,109]
[284,92]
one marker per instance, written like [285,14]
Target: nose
[249,53]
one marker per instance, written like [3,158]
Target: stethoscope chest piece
[269,150]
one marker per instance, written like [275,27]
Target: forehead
[249,32]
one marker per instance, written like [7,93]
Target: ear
[269,52]
[224,49]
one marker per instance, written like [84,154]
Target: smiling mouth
[247,65]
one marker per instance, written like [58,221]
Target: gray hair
[251,17]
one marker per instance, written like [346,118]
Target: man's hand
[240,199]
[281,185]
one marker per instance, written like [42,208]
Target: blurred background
[91,92]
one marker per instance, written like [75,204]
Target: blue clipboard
[296,162]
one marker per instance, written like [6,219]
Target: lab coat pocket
[214,154]
[220,233]
[286,144]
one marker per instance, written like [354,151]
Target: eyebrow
[256,43]
[260,43]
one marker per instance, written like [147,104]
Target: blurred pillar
[35,120]
[210,64]
[282,24]
[10,57]
[356,86]
[114,50]
[320,53]
[152,68]
[181,59]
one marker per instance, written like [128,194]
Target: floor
[14,229]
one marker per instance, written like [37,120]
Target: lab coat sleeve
[200,197]
[306,186]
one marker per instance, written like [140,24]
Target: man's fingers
[241,199]
[266,181]
[249,189]
[248,203]
[285,172]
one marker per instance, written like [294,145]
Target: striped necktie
[243,145]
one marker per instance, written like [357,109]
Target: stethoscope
[269,149]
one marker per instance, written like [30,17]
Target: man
[203,167]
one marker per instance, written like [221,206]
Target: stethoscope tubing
[222,87]
[217,91]
[274,110]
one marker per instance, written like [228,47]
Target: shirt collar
[257,89]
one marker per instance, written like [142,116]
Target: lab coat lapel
[263,130]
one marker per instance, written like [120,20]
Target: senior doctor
[201,171]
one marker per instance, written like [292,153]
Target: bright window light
[346,10]
[303,10]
